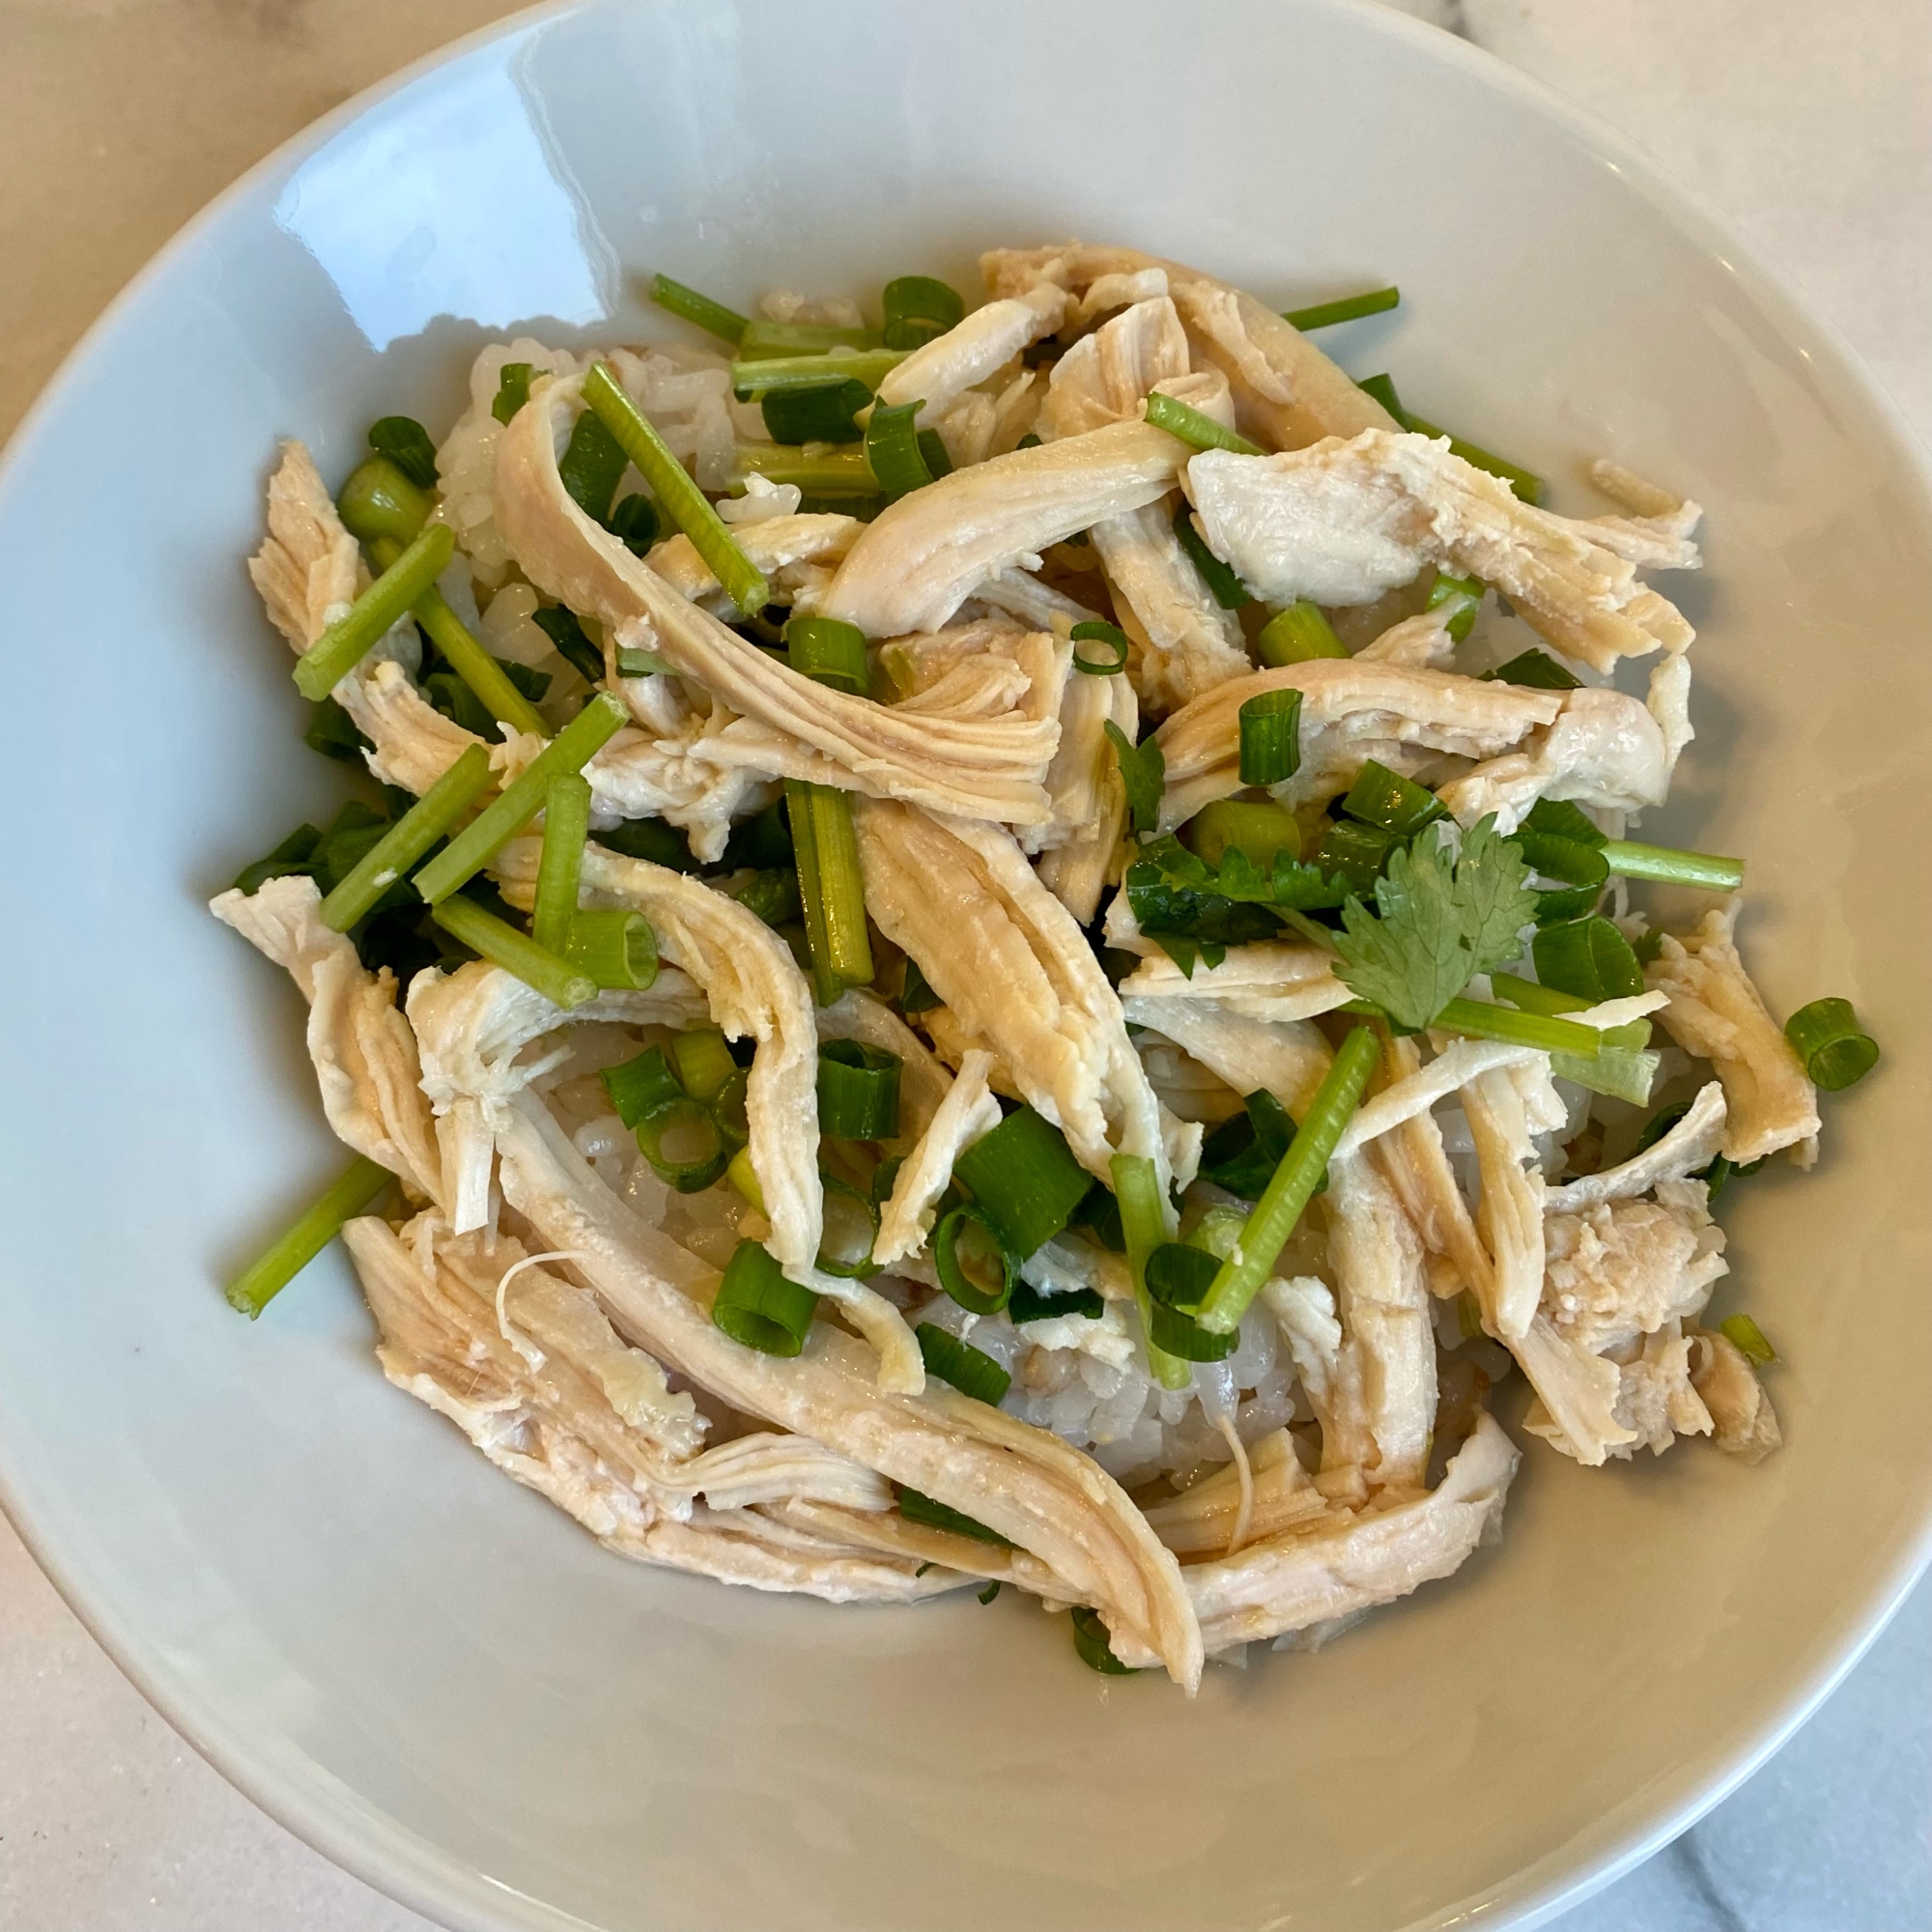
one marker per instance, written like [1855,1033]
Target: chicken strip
[784,548]
[1510,1212]
[1743,1423]
[1289,1058]
[1692,1143]
[1717,1013]
[1265,980]
[1078,845]
[1342,522]
[968,1113]
[975,349]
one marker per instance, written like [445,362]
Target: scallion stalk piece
[1227,589]
[894,449]
[1143,1224]
[684,1143]
[270,1271]
[559,981]
[828,415]
[591,465]
[638,1087]
[485,836]
[1259,829]
[513,389]
[1386,798]
[918,308]
[1092,1645]
[1298,634]
[390,858]
[1270,726]
[757,1306]
[1528,485]
[1324,315]
[1825,1035]
[1354,854]
[829,652]
[1030,1304]
[683,501]
[1481,1020]
[1589,957]
[474,665]
[704,1063]
[1178,1279]
[767,341]
[917,1507]
[1551,856]
[406,443]
[972,1261]
[749,379]
[1535,671]
[1025,1181]
[1672,866]
[1113,655]
[616,947]
[1748,1339]
[726,323]
[1194,428]
[849,1229]
[378,500]
[858,1090]
[356,633]
[1464,593]
[1287,1192]
[829,886]
[970,1370]
[825,472]
[567,826]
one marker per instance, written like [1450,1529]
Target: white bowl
[441,1681]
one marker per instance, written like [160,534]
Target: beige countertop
[1810,125]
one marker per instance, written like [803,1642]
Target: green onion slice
[759,376]
[1257,829]
[684,503]
[1526,485]
[406,443]
[917,1507]
[1179,1276]
[1354,854]
[1181,1336]
[1535,671]
[513,389]
[565,629]
[829,886]
[378,500]
[639,1087]
[1465,593]
[1195,428]
[1553,857]
[1385,798]
[1114,658]
[276,1266]
[1298,634]
[1029,1304]
[973,1263]
[427,820]
[356,633]
[970,1370]
[684,1143]
[1143,774]
[713,316]
[704,1062]
[850,1229]
[566,825]
[1227,590]
[1747,1338]
[1026,1183]
[892,451]
[826,472]
[1825,1035]
[1270,723]
[1589,957]
[592,465]
[829,652]
[1242,1152]
[634,663]
[559,980]
[858,1090]
[1479,1019]
[825,415]
[918,308]
[757,1306]
[1093,1646]
[616,947]
[635,521]
[1143,1225]
[1324,315]
[770,341]
[917,996]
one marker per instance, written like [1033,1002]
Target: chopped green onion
[973,1265]
[558,980]
[1589,957]
[1825,1035]
[682,500]
[1143,1224]
[650,840]
[850,1229]
[1227,590]
[1354,854]
[829,652]
[635,523]
[1025,1181]
[828,882]
[1465,593]
[1672,866]
[728,1109]
[1029,1304]
[616,947]
[858,1090]
[1259,829]
[1298,634]
[1242,1152]
[1535,671]
[356,633]
[1092,1645]
[1178,1279]
[916,1506]
[565,629]
[1538,999]
[566,825]
[827,415]
[1558,818]
[490,680]
[1270,725]
[917,996]
[1100,1215]
[744,1177]
[758,377]
[1294,1182]
[933,454]
[893,452]
[270,1271]
[773,895]
[917,309]
[1324,315]
[1183,1339]
[826,983]
[767,341]
[295,854]
[592,465]
[1748,1339]
[1143,774]
[1194,428]
[634,663]
[1382,390]
[684,1143]
[756,1305]
[827,472]
[991,1591]
[513,389]
[406,443]
[1481,1020]
[690,306]
[1094,630]
[427,820]
[1385,798]
[332,732]
[704,1063]
[378,500]
[478,842]
[639,1087]
[1550,856]
[970,1370]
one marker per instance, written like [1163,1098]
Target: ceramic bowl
[443,1682]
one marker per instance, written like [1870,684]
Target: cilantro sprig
[1438,921]
[1196,911]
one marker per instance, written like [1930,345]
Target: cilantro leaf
[1197,911]
[1144,773]
[1437,924]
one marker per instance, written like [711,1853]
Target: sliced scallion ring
[892,449]
[1092,1646]
[851,1228]
[1748,1339]
[616,947]
[1825,1035]
[1398,805]
[1589,957]
[757,1306]
[684,1143]
[858,1090]
[1105,664]
[918,308]
[1270,726]
[1025,1181]
[970,1370]
[1180,1335]
[703,1062]
[1296,635]
[974,1268]
[830,652]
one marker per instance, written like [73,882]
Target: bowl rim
[423,1877]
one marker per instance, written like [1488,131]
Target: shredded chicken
[968,1113]
[786,547]
[1265,980]
[971,351]
[1743,1422]
[1691,1144]
[1089,803]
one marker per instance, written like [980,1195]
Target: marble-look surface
[1810,125]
